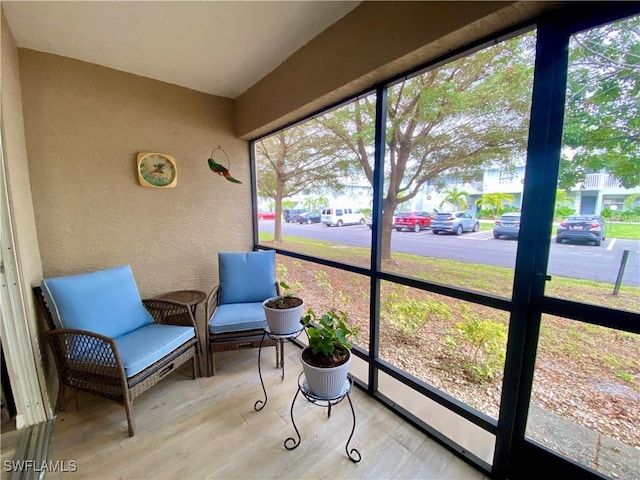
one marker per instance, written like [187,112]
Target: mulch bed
[575,379]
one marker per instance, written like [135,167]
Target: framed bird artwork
[219,168]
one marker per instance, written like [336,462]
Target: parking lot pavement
[484,235]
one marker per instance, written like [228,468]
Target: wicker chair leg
[76,393]
[60,400]
[194,364]
[211,366]
[131,422]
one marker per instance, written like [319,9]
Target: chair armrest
[81,350]
[211,303]
[168,312]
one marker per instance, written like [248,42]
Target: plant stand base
[291,443]
[279,338]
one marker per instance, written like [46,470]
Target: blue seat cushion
[237,317]
[146,345]
[246,277]
[106,302]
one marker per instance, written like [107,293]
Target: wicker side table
[189,297]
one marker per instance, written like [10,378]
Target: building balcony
[600,181]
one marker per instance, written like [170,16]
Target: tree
[315,203]
[456,197]
[495,202]
[602,116]
[628,202]
[296,159]
[446,122]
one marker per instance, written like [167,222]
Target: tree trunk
[388,207]
[277,224]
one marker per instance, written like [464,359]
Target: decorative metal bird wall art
[219,168]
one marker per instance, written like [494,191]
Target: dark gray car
[290,215]
[454,222]
[581,228]
[309,217]
[508,225]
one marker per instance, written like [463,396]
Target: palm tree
[495,202]
[322,202]
[309,203]
[459,198]
[628,202]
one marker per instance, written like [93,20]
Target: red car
[266,216]
[415,221]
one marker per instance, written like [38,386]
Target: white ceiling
[217,47]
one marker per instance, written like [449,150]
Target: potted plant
[283,312]
[327,358]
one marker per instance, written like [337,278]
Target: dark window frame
[514,455]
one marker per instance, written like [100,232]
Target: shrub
[482,344]
[410,314]
[563,212]
[632,215]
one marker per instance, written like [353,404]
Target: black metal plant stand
[280,338]
[291,443]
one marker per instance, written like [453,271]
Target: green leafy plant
[627,377]
[285,299]
[285,292]
[330,335]
[411,314]
[322,278]
[482,343]
[561,212]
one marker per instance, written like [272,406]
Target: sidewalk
[585,446]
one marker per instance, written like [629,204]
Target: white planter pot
[283,321]
[325,382]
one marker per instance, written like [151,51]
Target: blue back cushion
[247,277]
[105,302]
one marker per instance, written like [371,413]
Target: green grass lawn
[630,231]
[621,230]
[473,276]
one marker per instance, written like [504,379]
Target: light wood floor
[208,429]
[9,444]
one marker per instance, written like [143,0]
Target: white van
[337,216]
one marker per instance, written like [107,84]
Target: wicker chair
[233,309]
[119,368]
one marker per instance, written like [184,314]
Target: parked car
[454,222]
[309,217]
[508,225]
[290,215]
[340,216]
[369,222]
[415,221]
[266,216]
[582,228]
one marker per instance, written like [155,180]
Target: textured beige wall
[372,43]
[15,155]
[19,190]
[84,126]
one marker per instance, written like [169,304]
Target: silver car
[454,222]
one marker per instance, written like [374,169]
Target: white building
[598,191]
